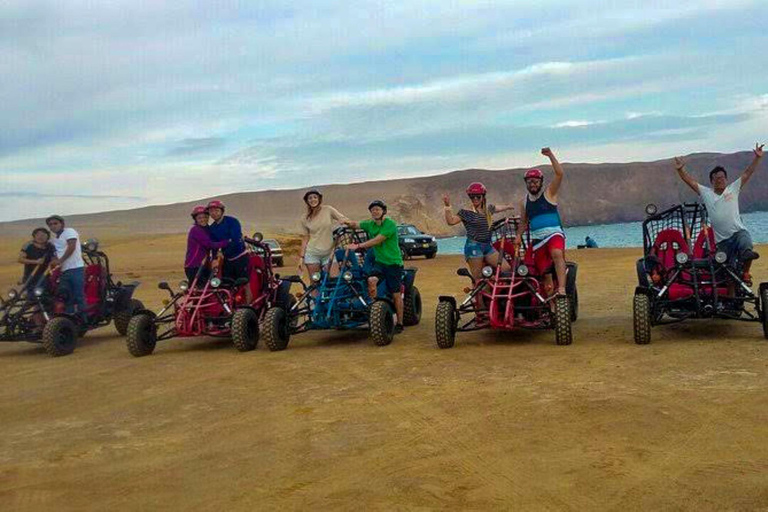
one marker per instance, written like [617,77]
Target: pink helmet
[197,210]
[476,188]
[534,173]
[216,204]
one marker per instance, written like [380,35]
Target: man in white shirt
[69,259]
[722,202]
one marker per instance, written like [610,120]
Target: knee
[557,255]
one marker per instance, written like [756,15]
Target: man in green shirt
[382,237]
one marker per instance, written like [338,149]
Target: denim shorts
[735,246]
[474,249]
[316,259]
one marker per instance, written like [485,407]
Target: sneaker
[398,328]
[747,278]
[749,255]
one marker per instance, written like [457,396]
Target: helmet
[476,188]
[197,210]
[313,191]
[378,203]
[534,173]
[216,204]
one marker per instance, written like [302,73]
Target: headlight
[721,257]
[316,277]
[215,282]
[409,240]
[184,285]
[347,276]
[13,294]
[487,271]
[681,258]
[651,209]
[522,270]
[38,292]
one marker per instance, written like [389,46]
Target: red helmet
[216,204]
[534,173]
[197,210]
[476,188]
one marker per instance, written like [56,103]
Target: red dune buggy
[683,276]
[215,306]
[36,311]
[512,295]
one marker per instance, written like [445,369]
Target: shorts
[474,249]
[316,259]
[235,269]
[392,275]
[735,246]
[542,257]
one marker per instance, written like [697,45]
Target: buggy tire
[571,289]
[574,303]
[412,307]
[642,275]
[445,324]
[141,337]
[563,332]
[641,318]
[764,307]
[381,323]
[277,332]
[245,329]
[60,336]
[122,317]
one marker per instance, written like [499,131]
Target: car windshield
[409,230]
[272,243]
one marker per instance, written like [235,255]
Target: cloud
[41,195]
[195,146]
[575,124]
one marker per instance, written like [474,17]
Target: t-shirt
[59,241]
[320,230]
[476,224]
[388,251]
[723,210]
[33,252]
[228,229]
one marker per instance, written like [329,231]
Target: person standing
[36,256]
[317,239]
[69,259]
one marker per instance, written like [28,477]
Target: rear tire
[60,336]
[412,307]
[445,324]
[122,317]
[571,289]
[382,325]
[141,337]
[277,331]
[563,333]
[764,307]
[245,329]
[641,315]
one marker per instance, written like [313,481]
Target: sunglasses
[475,196]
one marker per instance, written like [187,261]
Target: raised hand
[547,152]
[679,163]
[446,200]
[758,151]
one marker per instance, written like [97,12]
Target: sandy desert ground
[502,421]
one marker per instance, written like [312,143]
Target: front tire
[277,331]
[641,318]
[412,307]
[563,333]
[60,336]
[445,324]
[122,317]
[382,325]
[141,337]
[245,329]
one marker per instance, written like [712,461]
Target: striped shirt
[543,218]
[476,224]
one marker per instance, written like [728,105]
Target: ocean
[629,234]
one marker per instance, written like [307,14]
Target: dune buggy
[340,300]
[512,295]
[683,276]
[35,312]
[213,306]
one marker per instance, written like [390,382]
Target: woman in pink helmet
[478,249]
[199,244]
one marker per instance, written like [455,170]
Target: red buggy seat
[256,268]
[700,248]
[668,243]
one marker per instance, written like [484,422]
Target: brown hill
[591,194]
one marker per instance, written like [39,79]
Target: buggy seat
[705,245]
[668,243]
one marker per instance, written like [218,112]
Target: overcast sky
[114,104]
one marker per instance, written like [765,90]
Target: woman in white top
[317,226]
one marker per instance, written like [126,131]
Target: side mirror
[258,236]
[463,271]
[164,286]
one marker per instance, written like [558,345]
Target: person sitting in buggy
[722,203]
[199,245]
[226,227]
[388,266]
[36,256]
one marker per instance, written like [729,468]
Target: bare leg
[372,284]
[559,258]
[398,298]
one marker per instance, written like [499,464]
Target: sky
[121,104]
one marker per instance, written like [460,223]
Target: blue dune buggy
[340,300]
